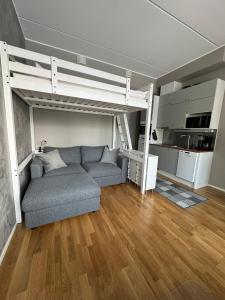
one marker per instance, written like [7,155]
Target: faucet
[188,139]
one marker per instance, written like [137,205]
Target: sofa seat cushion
[70,169]
[52,191]
[98,169]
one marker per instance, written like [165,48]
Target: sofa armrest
[36,168]
[122,163]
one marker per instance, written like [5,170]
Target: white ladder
[124,131]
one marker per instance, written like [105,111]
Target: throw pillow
[110,156]
[52,160]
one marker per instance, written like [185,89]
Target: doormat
[177,194]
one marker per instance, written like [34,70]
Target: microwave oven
[198,120]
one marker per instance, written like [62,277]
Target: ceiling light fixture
[128,73]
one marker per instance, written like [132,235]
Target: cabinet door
[174,107]
[177,115]
[135,171]
[204,90]
[163,116]
[200,105]
[154,150]
[168,158]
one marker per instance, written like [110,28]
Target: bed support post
[10,127]
[54,74]
[127,90]
[114,133]
[31,111]
[146,143]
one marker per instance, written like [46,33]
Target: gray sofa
[72,190]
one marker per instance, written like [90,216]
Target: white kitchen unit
[135,172]
[194,167]
[170,87]
[188,167]
[206,97]
[168,158]
[203,169]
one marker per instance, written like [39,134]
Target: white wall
[63,129]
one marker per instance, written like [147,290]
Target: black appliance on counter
[206,142]
[199,120]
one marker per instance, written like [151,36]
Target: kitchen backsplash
[196,139]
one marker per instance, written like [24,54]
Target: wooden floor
[136,247]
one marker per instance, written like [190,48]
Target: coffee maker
[206,142]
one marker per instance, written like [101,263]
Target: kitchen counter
[181,148]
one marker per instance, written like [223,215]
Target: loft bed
[53,86]
[50,83]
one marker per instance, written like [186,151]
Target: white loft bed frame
[50,83]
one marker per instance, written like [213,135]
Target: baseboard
[179,180]
[217,188]
[175,178]
[7,244]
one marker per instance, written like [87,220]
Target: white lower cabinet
[192,168]
[195,167]
[167,158]
[187,165]
[135,172]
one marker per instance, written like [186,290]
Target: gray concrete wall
[10,32]
[23,138]
[22,125]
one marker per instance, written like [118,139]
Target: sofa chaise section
[72,190]
[53,198]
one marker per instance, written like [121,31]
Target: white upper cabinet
[201,105]
[201,98]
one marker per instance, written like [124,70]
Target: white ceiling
[205,16]
[146,37]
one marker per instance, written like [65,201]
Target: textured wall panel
[11,33]
[7,212]
[22,125]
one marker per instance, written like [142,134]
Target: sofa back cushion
[110,156]
[52,160]
[91,154]
[69,155]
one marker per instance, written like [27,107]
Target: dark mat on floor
[177,194]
